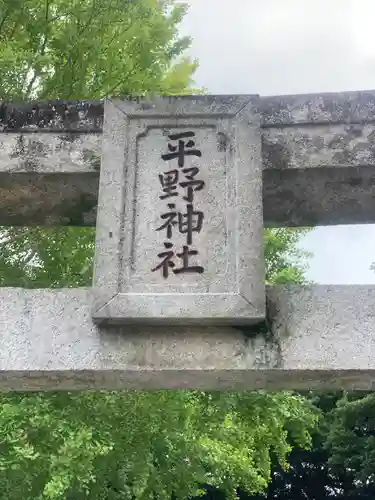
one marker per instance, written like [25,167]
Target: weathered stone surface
[51,116]
[315,146]
[50,153]
[207,229]
[319,196]
[329,107]
[318,158]
[56,199]
[322,338]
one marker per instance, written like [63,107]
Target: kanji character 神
[187,223]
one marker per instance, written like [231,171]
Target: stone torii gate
[197,177]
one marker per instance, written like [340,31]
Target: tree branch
[28,258]
[4,19]
[42,51]
[133,72]
[16,24]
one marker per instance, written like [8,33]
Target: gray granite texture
[179,235]
[321,337]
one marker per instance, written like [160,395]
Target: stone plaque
[180,221]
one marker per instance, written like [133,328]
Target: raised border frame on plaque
[125,290]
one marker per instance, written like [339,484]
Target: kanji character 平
[182,149]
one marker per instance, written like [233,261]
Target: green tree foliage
[339,464]
[63,257]
[89,49]
[125,445]
[137,445]
[351,436]
[285,261]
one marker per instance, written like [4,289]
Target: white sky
[271,47]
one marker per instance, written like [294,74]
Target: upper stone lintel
[186,105]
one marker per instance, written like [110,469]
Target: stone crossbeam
[318,160]
[321,337]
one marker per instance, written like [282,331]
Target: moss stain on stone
[265,329]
